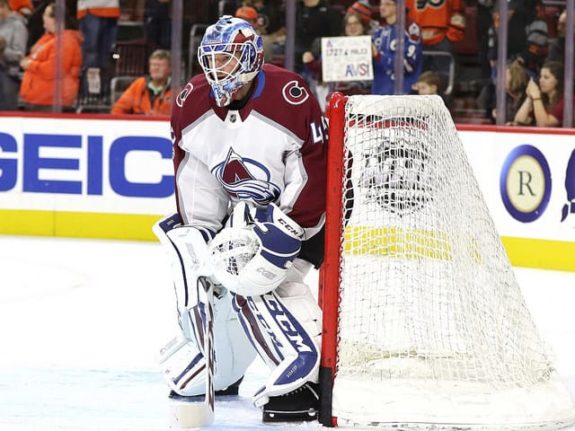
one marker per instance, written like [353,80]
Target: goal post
[425,326]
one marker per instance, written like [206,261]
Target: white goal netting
[433,329]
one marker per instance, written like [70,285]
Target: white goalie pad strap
[288,344]
[183,365]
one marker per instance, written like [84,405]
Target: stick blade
[187,414]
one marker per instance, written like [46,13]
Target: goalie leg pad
[189,257]
[286,333]
[183,365]
[181,360]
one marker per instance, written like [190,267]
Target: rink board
[108,177]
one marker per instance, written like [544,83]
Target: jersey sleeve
[200,199]
[305,172]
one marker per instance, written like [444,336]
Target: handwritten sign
[346,58]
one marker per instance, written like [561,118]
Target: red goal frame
[329,272]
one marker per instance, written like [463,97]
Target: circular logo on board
[525,183]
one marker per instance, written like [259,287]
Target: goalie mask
[231,55]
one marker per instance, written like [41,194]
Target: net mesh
[427,294]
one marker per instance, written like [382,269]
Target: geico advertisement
[528,181]
[86,165]
[121,166]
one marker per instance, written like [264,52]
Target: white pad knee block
[183,365]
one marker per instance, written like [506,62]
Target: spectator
[384,47]
[35,24]
[527,35]
[157,24]
[516,80]
[557,46]
[250,15]
[271,26]
[149,95]
[543,106]
[271,16]
[13,38]
[315,19]
[23,7]
[442,23]
[353,25]
[428,83]
[363,9]
[38,82]
[484,23]
[99,27]
[228,7]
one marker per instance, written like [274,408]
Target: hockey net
[424,324]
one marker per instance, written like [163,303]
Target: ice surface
[81,322]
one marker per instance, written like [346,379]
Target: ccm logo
[295,232]
[267,274]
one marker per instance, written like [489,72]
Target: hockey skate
[301,404]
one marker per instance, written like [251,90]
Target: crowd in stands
[440,39]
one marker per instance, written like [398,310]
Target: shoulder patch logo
[184,94]
[294,94]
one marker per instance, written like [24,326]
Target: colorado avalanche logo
[294,94]
[183,95]
[239,177]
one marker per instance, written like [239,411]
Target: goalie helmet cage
[425,326]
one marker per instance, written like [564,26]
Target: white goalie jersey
[272,149]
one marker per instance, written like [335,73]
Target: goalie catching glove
[254,260]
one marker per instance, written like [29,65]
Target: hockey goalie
[249,162]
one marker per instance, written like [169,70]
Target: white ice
[81,322]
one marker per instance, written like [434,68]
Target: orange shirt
[438,19]
[138,99]
[38,82]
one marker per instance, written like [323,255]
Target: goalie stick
[195,414]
